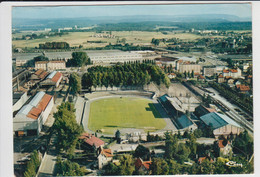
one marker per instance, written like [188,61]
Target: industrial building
[53,79]
[113,56]
[221,124]
[19,99]
[31,117]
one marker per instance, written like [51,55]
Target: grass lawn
[111,114]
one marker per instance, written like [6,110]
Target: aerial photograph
[136,89]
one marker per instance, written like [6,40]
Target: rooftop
[183,122]
[91,140]
[35,107]
[217,120]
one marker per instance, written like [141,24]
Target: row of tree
[133,74]
[54,45]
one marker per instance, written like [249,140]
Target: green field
[111,114]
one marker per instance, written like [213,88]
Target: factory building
[31,117]
[113,56]
[53,79]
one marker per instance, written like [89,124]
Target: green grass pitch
[111,114]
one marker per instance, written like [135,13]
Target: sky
[40,12]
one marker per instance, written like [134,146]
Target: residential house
[92,141]
[221,79]
[171,75]
[104,157]
[243,88]
[225,148]
[201,159]
[143,167]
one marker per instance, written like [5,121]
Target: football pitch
[110,114]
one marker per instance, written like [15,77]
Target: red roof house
[91,140]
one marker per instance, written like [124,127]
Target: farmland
[111,114]
[81,38]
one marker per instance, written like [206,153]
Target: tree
[79,58]
[68,168]
[198,133]
[192,144]
[41,58]
[182,153]
[142,152]
[206,167]
[117,137]
[171,146]
[126,165]
[66,128]
[159,167]
[75,83]
[111,169]
[174,167]
[32,165]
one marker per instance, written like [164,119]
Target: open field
[81,38]
[121,113]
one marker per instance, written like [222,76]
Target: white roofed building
[113,56]
[31,117]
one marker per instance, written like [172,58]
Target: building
[113,56]
[51,65]
[31,117]
[209,70]
[243,88]
[185,123]
[202,110]
[221,79]
[92,141]
[234,73]
[221,124]
[189,67]
[201,159]
[39,75]
[143,167]
[171,75]
[19,99]
[225,148]
[20,62]
[53,79]
[104,157]
[167,61]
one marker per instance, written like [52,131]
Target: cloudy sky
[240,10]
